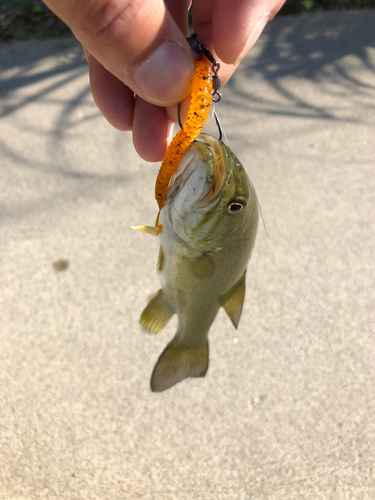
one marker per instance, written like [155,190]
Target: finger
[153,127]
[202,15]
[238,24]
[151,130]
[114,99]
[234,25]
[137,41]
[179,11]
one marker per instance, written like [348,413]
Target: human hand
[140,64]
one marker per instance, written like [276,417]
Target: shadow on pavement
[52,76]
[21,70]
[51,130]
[289,50]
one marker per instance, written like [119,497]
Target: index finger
[232,26]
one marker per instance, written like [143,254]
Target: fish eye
[236,206]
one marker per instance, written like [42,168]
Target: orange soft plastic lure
[201,97]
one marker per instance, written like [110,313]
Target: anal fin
[177,363]
[232,302]
[156,314]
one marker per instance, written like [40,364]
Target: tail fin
[178,362]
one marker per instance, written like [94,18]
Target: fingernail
[165,77]
[170,133]
[254,35]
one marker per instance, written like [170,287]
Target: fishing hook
[179,114]
[218,125]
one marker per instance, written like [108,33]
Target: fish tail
[178,362]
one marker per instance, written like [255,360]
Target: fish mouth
[218,168]
[201,175]
[197,190]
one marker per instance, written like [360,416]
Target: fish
[208,229]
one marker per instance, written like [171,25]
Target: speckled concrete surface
[287,408]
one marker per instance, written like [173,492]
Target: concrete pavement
[287,408]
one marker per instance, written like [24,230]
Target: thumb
[137,41]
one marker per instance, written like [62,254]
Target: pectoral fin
[202,268]
[232,302]
[156,314]
[177,363]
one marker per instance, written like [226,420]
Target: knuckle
[105,18]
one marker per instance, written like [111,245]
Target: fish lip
[216,166]
[213,158]
[180,178]
[219,172]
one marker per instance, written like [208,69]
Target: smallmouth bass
[209,224]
